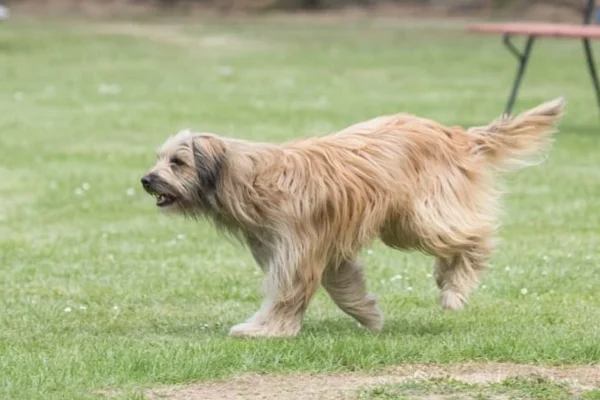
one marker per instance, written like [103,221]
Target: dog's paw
[371,317]
[252,329]
[244,329]
[374,322]
[373,328]
[451,300]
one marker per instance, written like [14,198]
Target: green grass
[100,292]
[517,388]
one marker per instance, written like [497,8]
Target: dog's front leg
[289,287]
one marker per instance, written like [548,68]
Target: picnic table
[532,31]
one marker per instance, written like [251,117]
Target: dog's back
[505,143]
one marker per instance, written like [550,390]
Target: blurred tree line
[452,5]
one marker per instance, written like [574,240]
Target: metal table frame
[523,58]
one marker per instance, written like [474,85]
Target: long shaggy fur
[306,208]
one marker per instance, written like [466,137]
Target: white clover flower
[226,70]
[106,88]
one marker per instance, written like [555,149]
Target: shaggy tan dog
[306,208]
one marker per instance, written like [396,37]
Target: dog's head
[187,171]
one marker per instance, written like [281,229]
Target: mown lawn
[99,292]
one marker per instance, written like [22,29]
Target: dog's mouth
[164,199]
[154,186]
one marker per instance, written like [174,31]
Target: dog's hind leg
[458,275]
[346,285]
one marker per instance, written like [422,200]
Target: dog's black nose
[146,180]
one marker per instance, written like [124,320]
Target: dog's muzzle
[163,199]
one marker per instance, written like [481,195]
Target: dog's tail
[514,142]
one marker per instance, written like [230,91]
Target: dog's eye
[176,161]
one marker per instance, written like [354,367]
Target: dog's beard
[182,198]
[166,196]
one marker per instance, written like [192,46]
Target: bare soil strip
[343,386]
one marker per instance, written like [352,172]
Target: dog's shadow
[344,327]
[333,327]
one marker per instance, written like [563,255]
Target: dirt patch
[255,387]
[583,377]
[344,386]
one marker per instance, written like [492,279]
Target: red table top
[538,29]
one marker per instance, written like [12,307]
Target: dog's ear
[209,157]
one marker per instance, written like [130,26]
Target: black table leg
[592,67]
[523,59]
